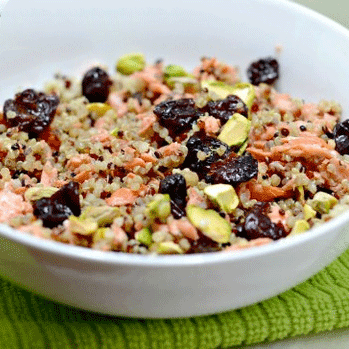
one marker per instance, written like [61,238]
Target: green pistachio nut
[308,212]
[322,202]
[173,70]
[98,108]
[219,88]
[243,148]
[101,234]
[130,63]
[169,247]
[188,82]
[210,223]
[82,226]
[301,193]
[300,226]
[114,132]
[246,92]
[223,195]
[236,130]
[176,74]
[159,207]
[103,215]
[144,236]
[37,193]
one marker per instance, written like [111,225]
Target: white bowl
[51,36]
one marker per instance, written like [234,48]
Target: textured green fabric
[319,304]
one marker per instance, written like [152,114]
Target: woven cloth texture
[319,304]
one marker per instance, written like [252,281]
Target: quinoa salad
[153,159]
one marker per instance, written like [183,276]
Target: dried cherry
[204,245]
[32,111]
[265,70]
[96,85]
[54,210]
[208,145]
[177,210]
[175,185]
[223,109]
[258,225]
[177,116]
[233,170]
[341,137]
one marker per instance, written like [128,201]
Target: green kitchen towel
[319,304]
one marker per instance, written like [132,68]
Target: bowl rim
[84,254]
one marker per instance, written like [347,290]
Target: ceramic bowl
[64,36]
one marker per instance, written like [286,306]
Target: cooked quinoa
[156,160]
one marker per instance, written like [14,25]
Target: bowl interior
[68,36]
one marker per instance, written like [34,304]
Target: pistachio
[300,226]
[308,212]
[219,88]
[159,207]
[101,234]
[301,193]
[223,195]
[103,215]
[37,193]
[236,130]
[173,70]
[176,74]
[130,63]
[98,108]
[210,223]
[322,202]
[115,132]
[82,226]
[243,148]
[144,236]
[188,82]
[245,91]
[169,247]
